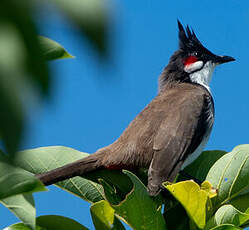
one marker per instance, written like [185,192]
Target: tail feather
[76,168]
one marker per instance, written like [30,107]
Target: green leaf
[52,50]
[14,180]
[54,222]
[50,222]
[103,217]
[241,202]
[119,182]
[229,175]
[172,217]
[192,198]
[43,159]
[23,207]
[138,210]
[227,214]
[226,227]
[199,168]
[21,226]
[91,18]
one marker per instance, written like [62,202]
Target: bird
[171,130]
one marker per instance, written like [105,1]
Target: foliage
[118,197]
[50,222]
[221,202]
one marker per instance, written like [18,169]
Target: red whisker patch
[190,60]
[116,167]
[119,167]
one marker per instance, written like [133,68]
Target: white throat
[204,75]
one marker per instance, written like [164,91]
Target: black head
[192,50]
[192,62]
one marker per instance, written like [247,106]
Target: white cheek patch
[203,76]
[193,66]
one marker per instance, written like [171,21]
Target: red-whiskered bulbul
[176,124]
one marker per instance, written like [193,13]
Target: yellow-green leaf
[193,199]
[206,186]
[103,216]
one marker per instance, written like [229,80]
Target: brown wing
[179,134]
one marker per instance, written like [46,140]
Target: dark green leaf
[50,222]
[139,210]
[241,202]
[199,168]
[172,217]
[120,184]
[23,207]
[53,222]
[52,50]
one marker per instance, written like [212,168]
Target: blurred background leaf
[91,17]
[23,67]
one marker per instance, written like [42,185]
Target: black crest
[188,40]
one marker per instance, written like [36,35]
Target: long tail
[77,168]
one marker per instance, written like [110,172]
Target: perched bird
[176,124]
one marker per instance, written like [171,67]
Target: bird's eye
[196,54]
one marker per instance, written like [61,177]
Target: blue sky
[92,103]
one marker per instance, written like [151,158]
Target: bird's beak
[222,59]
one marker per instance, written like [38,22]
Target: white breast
[197,152]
